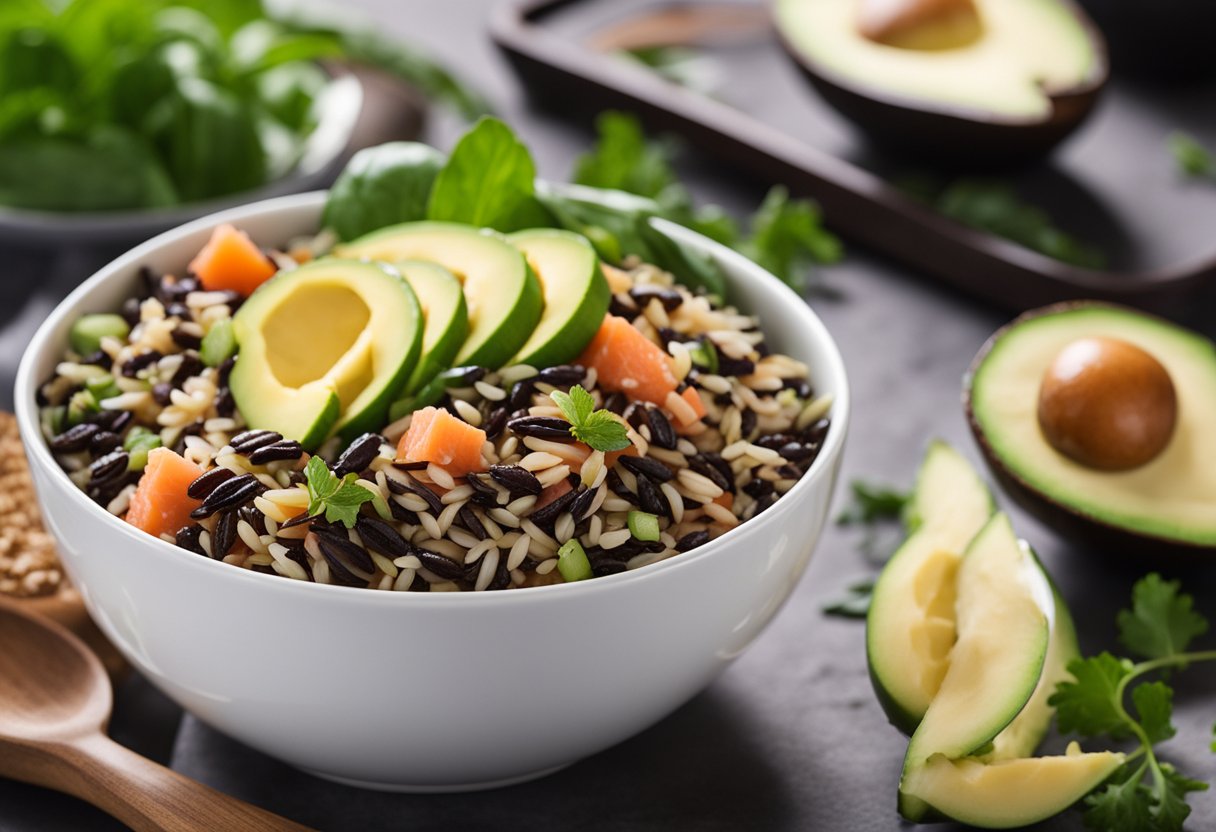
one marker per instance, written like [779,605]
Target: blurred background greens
[110,105]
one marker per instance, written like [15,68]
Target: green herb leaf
[382,186]
[1192,158]
[1154,703]
[598,428]
[1170,809]
[488,180]
[855,603]
[1162,622]
[339,499]
[787,237]
[623,160]
[1087,704]
[1122,805]
[872,503]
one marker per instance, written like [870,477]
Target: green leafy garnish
[872,503]
[382,186]
[1192,158]
[597,428]
[854,603]
[1145,794]
[339,499]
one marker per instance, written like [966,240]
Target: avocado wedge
[1005,609]
[446,319]
[502,293]
[1161,507]
[910,627]
[575,291]
[323,349]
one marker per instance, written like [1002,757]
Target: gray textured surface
[790,737]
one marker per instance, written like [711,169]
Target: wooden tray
[1113,183]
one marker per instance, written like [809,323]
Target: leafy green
[339,499]
[488,180]
[1145,794]
[872,503]
[787,237]
[598,428]
[111,104]
[854,603]
[993,206]
[382,186]
[1192,158]
[623,160]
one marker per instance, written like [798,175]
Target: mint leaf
[1162,621]
[339,499]
[1154,703]
[1192,158]
[602,432]
[1087,704]
[488,180]
[787,237]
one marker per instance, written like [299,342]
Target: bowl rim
[26,409]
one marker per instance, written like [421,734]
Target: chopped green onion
[572,561]
[218,344]
[704,355]
[86,334]
[53,419]
[644,526]
[102,387]
[80,405]
[138,445]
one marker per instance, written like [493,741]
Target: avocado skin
[949,138]
[1165,40]
[1131,549]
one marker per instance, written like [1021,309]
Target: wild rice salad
[154,379]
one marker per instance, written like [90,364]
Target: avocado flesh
[446,319]
[323,348]
[1169,497]
[1004,614]
[502,294]
[1027,50]
[1011,793]
[910,627]
[575,292]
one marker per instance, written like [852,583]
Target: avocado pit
[1107,404]
[920,24]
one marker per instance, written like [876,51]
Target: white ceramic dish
[419,691]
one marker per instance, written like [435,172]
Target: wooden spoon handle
[149,797]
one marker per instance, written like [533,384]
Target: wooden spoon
[55,702]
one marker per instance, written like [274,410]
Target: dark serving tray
[1093,187]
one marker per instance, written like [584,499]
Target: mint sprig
[339,499]
[1146,794]
[597,428]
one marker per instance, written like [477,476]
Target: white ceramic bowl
[419,691]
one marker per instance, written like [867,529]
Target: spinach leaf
[488,181]
[382,186]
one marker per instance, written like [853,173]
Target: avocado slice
[910,626]
[1004,611]
[1010,793]
[447,320]
[500,289]
[575,291]
[1163,505]
[986,80]
[323,349]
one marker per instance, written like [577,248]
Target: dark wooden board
[1096,187]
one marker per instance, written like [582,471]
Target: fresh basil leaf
[488,178]
[382,186]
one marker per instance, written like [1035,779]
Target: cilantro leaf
[1087,704]
[1162,622]
[598,428]
[1154,705]
[1192,158]
[1170,809]
[623,159]
[787,236]
[339,499]
[1121,804]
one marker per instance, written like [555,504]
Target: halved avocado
[575,291]
[323,349]
[1164,506]
[447,319]
[1005,88]
[1010,793]
[502,293]
[910,627]
[1004,614]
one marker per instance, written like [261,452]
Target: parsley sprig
[598,428]
[1146,794]
[338,498]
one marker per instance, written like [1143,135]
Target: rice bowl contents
[670,424]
